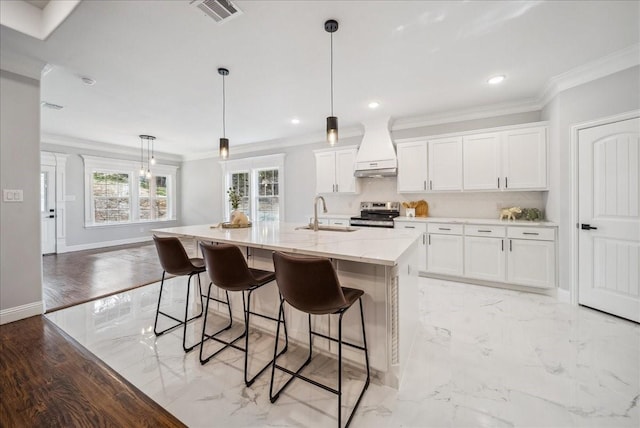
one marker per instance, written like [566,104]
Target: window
[258,180]
[115,193]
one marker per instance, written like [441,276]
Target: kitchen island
[382,262]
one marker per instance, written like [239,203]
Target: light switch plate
[12,195]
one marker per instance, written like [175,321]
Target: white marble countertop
[477,221]
[368,244]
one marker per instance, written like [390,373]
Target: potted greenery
[234,200]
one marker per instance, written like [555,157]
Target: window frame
[107,165]
[253,165]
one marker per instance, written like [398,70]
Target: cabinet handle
[339,222]
[373,163]
[424,240]
[336,188]
[443,228]
[425,185]
[502,249]
[498,182]
[429,239]
[506,182]
[484,231]
[510,245]
[409,227]
[530,233]
[430,185]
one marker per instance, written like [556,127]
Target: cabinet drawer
[537,233]
[479,230]
[420,227]
[445,228]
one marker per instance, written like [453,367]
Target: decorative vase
[233,214]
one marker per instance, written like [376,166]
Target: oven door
[359,221]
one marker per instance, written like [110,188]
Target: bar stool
[310,284]
[175,261]
[229,271]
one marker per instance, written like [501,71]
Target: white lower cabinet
[444,252]
[531,257]
[422,249]
[484,255]
[518,255]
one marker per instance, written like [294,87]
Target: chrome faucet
[315,211]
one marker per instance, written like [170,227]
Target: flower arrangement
[234,198]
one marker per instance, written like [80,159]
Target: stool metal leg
[206,336]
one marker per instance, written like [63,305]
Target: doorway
[48,208]
[608,227]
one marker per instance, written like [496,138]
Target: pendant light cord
[331,74]
[224,105]
[141,153]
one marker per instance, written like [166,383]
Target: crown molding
[276,144]
[99,146]
[602,67]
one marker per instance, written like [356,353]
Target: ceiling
[155,62]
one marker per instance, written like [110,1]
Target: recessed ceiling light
[88,81]
[374,104]
[295,121]
[496,79]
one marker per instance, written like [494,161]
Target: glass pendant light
[141,156]
[150,159]
[331,26]
[224,142]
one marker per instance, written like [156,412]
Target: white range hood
[376,155]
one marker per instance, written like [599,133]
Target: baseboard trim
[103,244]
[21,312]
[564,296]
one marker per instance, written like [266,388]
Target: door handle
[585,226]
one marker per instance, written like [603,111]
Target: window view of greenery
[240,182]
[268,195]
[111,197]
[152,198]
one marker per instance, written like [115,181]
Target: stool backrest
[226,266]
[309,284]
[172,255]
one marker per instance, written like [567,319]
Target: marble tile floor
[482,357]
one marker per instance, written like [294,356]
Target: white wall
[608,96]
[77,235]
[20,260]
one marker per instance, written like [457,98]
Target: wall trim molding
[21,312]
[103,244]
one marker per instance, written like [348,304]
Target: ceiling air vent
[220,10]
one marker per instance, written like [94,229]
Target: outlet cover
[12,195]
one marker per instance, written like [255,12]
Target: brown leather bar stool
[175,261]
[229,271]
[310,284]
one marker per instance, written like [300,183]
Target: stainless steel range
[376,214]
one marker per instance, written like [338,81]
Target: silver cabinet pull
[409,227]
[425,185]
[510,245]
[530,233]
[429,239]
[424,239]
[484,231]
[506,182]
[443,228]
[498,182]
[502,249]
[337,188]
[430,185]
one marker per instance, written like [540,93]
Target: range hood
[376,155]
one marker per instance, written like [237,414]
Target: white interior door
[609,220]
[48,208]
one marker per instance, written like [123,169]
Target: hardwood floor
[47,379]
[73,278]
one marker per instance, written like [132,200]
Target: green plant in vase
[234,198]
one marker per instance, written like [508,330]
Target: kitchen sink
[329,228]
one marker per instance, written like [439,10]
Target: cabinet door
[531,263]
[444,254]
[345,180]
[481,161]
[325,172]
[412,167]
[422,245]
[484,258]
[524,153]
[445,164]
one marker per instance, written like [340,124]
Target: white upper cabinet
[412,167]
[506,160]
[524,154]
[334,171]
[445,164]
[481,159]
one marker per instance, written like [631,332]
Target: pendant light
[153,157]
[224,142]
[150,158]
[331,26]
